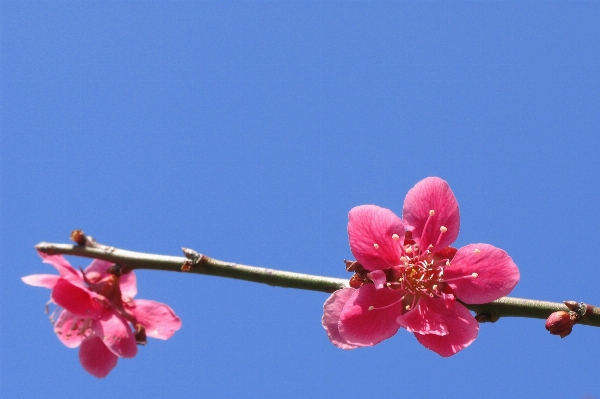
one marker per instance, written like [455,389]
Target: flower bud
[561,323]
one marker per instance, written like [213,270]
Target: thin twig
[194,262]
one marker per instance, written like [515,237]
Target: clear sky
[248,130]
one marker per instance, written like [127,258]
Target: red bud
[561,323]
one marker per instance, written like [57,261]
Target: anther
[474,275]
[431,212]
[371,307]
[477,251]
[443,229]
[395,236]
[376,246]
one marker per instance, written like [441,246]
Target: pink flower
[407,275]
[96,311]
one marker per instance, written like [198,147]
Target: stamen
[376,246]
[387,306]
[443,229]
[431,213]
[395,236]
[472,275]
[477,251]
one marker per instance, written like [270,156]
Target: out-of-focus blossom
[97,313]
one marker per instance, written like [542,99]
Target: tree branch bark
[194,262]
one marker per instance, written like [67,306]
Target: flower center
[421,272]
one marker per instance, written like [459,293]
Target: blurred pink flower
[409,276]
[96,311]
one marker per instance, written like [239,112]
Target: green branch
[202,264]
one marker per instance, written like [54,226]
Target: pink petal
[370,229]
[128,284]
[41,280]
[462,331]
[378,277]
[363,327]
[68,329]
[434,194]
[60,263]
[331,315]
[95,357]
[99,266]
[127,281]
[116,335]
[497,274]
[159,320]
[425,317]
[75,299]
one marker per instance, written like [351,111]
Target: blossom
[96,312]
[407,275]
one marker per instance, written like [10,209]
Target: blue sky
[248,130]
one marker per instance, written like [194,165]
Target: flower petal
[159,319]
[378,278]
[68,329]
[116,335]
[95,357]
[99,266]
[128,284]
[425,318]
[41,280]
[75,299]
[127,281]
[370,230]
[462,331]
[360,326]
[60,263]
[497,274]
[331,316]
[434,194]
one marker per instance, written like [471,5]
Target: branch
[194,262]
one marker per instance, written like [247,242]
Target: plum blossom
[97,313]
[407,275]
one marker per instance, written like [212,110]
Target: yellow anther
[407,307]
[477,251]
[395,236]
[431,212]
[474,275]
[376,246]
[443,229]
[371,307]
[403,259]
